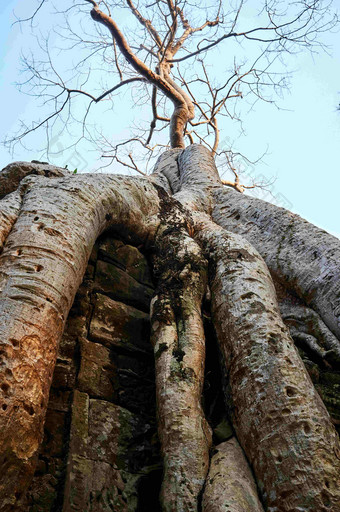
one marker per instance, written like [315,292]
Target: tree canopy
[199,64]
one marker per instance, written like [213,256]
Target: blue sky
[302,139]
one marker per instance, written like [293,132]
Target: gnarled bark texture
[210,248]
[230,484]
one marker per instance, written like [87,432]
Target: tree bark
[179,345]
[230,484]
[299,254]
[279,418]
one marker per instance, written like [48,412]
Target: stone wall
[100,450]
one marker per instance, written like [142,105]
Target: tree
[166,53]
[206,242]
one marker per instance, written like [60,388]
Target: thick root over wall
[285,438]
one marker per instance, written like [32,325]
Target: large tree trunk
[203,235]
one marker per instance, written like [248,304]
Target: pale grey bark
[279,418]
[305,323]
[299,254]
[9,210]
[179,346]
[230,484]
[304,257]
[13,173]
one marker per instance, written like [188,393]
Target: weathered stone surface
[127,257]
[79,316]
[42,494]
[60,400]
[119,285]
[54,444]
[107,432]
[92,481]
[117,325]
[96,373]
[135,383]
[110,433]
[108,448]
[68,343]
[64,375]
[94,487]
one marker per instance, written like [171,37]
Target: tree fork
[285,241]
[283,427]
[42,265]
[183,107]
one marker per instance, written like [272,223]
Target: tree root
[179,346]
[285,241]
[309,331]
[230,484]
[9,211]
[288,245]
[12,174]
[42,265]
[279,419]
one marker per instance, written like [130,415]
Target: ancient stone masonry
[100,449]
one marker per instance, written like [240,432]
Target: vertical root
[280,421]
[179,346]
[9,211]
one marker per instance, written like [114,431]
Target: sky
[301,139]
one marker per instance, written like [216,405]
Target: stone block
[64,375]
[59,400]
[79,432]
[42,495]
[119,285]
[127,257]
[96,374]
[67,345]
[93,486]
[113,434]
[107,449]
[106,432]
[136,383]
[115,324]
